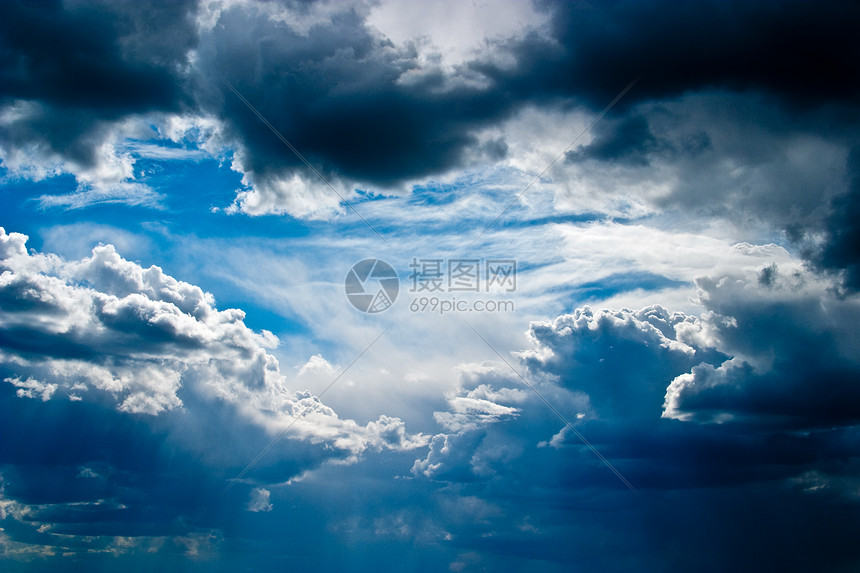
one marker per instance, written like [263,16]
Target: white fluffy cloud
[291,194]
[32,388]
[104,327]
[260,500]
[478,407]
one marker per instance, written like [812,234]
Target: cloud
[794,357]
[730,403]
[260,500]
[454,32]
[838,249]
[106,328]
[468,412]
[66,99]
[293,195]
[754,400]
[697,46]
[31,388]
[372,103]
[372,127]
[621,359]
[151,401]
[781,353]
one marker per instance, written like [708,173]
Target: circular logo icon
[372,285]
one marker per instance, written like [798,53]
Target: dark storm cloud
[86,467]
[338,92]
[799,57]
[88,63]
[801,51]
[765,456]
[336,95]
[361,108]
[841,248]
[629,141]
[795,364]
[103,57]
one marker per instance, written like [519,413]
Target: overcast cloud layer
[677,383]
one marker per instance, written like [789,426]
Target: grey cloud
[620,359]
[840,250]
[761,410]
[338,92]
[85,65]
[795,363]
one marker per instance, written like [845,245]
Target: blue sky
[673,383]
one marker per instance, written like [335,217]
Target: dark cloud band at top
[338,91]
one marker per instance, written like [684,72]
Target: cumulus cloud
[769,358]
[132,372]
[104,327]
[287,194]
[260,500]
[753,401]
[620,359]
[780,352]
[794,356]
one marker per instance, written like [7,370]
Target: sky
[429,286]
